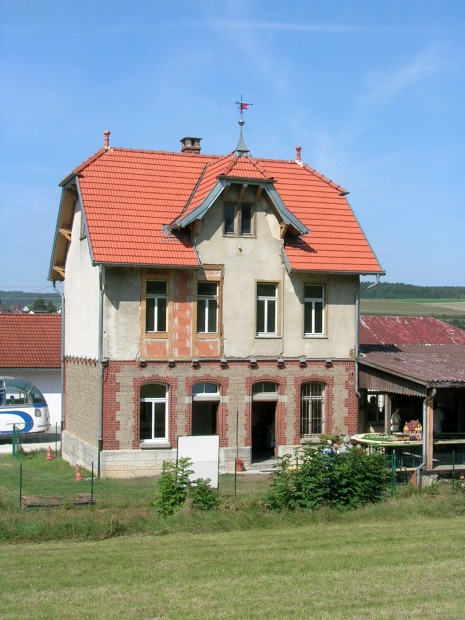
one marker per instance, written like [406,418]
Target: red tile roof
[130,196]
[30,341]
[420,348]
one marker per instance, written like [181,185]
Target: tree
[39,305]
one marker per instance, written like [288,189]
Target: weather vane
[242,105]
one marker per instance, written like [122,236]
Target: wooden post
[387,414]
[429,433]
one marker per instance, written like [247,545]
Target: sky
[372,90]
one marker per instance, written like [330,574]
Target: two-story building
[204,294]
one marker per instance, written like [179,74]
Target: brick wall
[122,388]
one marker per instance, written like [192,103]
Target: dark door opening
[204,418]
[263,430]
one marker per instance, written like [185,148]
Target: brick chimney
[190,145]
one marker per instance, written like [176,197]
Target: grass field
[362,567]
[414,307]
[401,558]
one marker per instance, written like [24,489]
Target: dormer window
[238,219]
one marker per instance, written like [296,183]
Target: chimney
[297,153]
[190,145]
[106,139]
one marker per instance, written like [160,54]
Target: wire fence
[41,479]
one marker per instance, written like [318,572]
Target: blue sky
[372,90]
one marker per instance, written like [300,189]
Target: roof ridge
[324,178]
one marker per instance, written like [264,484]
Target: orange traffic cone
[78,477]
[49,454]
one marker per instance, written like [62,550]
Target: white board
[204,453]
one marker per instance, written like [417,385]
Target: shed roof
[30,340]
[422,349]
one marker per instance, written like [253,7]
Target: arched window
[312,405]
[153,412]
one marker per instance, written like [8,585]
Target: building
[203,295]
[416,364]
[31,349]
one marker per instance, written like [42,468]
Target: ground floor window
[154,412]
[312,409]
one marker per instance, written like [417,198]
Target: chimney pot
[190,145]
[106,139]
[297,153]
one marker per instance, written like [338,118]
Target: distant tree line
[47,302]
[388,290]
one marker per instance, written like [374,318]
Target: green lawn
[414,307]
[394,568]
[401,558]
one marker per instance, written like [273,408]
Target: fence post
[20,485]
[15,442]
[393,472]
[92,485]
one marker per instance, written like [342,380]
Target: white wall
[81,297]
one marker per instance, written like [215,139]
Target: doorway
[204,416]
[263,430]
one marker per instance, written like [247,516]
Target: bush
[175,489]
[324,478]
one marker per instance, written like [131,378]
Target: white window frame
[211,306]
[311,306]
[156,401]
[312,408]
[156,311]
[268,301]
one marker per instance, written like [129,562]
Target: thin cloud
[390,83]
[318,28]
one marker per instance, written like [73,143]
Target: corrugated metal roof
[408,330]
[129,196]
[30,340]
[420,348]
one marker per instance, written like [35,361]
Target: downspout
[100,364]
[62,355]
[357,327]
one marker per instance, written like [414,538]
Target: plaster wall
[122,314]
[258,258]
[81,296]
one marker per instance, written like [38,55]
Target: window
[314,309]
[238,219]
[153,412]
[205,391]
[312,409]
[156,305]
[207,307]
[267,303]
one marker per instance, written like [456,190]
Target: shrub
[175,489]
[325,478]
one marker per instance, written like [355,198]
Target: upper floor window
[238,219]
[314,304]
[267,306]
[312,409]
[207,307]
[156,304]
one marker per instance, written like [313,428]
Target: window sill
[154,445]
[319,336]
